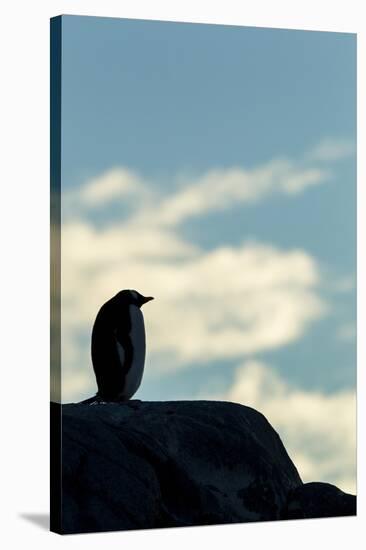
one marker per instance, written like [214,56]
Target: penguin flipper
[124,350]
[121,352]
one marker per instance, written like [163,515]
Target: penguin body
[118,346]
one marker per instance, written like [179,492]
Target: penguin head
[134,297]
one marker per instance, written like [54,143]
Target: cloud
[331,149]
[220,189]
[116,185]
[234,301]
[211,305]
[228,302]
[317,429]
[214,190]
[87,245]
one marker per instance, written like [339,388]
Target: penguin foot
[96,400]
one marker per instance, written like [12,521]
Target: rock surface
[318,500]
[139,465]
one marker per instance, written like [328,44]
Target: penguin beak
[145,299]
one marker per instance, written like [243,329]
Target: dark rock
[139,465]
[318,500]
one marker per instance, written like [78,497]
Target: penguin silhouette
[118,347]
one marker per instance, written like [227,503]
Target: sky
[214,168]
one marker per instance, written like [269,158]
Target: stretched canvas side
[55,329]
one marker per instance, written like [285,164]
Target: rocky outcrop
[139,465]
[318,500]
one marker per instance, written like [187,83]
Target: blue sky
[255,129]
[165,96]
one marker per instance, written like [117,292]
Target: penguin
[118,347]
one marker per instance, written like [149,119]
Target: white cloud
[234,301]
[317,429]
[118,184]
[215,190]
[114,183]
[331,149]
[219,189]
[86,245]
[229,302]
[218,304]
[77,385]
